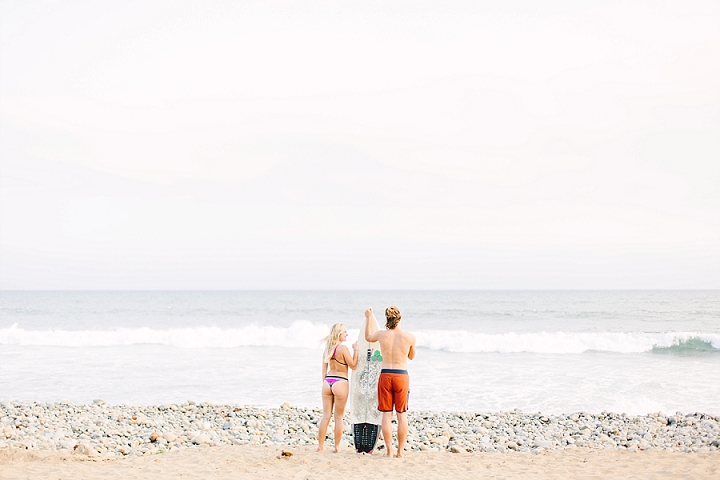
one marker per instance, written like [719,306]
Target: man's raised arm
[370,337]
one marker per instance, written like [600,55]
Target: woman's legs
[327,399]
[341,390]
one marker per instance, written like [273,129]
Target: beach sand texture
[249,461]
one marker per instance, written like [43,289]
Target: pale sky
[359,145]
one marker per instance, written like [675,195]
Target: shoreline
[104,431]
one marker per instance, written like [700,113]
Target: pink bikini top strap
[333,356]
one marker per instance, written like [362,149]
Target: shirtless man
[396,346]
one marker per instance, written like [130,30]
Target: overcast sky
[343,145]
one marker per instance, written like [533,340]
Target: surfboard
[364,415]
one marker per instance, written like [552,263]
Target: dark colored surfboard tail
[365,436]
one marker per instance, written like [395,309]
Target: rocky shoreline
[106,431]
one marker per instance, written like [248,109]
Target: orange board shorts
[393,390]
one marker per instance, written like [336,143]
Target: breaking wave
[572,342]
[307,335]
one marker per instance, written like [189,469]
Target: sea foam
[567,342]
[305,334]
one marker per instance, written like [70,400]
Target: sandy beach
[304,463]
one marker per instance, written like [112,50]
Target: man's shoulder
[405,335]
[381,333]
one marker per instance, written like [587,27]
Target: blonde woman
[335,386]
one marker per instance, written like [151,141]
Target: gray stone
[84,449]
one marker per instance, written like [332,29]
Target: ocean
[539,351]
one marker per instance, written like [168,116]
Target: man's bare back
[396,345]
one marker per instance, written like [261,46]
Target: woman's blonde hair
[332,340]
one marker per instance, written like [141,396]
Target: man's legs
[387,431]
[401,394]
[402,432]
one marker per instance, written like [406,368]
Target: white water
[306,335]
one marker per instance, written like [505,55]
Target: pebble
[101,429]
[201,439]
